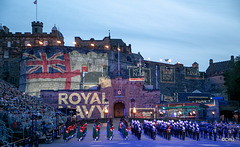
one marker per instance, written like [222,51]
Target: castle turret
[195,65]
[1,27]
[54,29]
[210,62]
[37,27]
[232,59]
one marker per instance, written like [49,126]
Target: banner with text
[88,104]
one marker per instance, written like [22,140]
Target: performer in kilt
[81,130]
[96,129]
[110,129]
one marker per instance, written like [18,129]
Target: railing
[60,130]
[6,134]
[22,142]
[57,132]
[30,141]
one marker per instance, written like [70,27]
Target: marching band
[165,129]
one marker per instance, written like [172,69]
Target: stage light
[106,110]
[194,112]
[134,110]
[40,42]
[92,44]
[174,113]
[106,46]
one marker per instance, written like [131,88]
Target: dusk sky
[184,31]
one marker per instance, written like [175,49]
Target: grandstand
[24,116]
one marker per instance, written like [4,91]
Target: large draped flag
[43,70]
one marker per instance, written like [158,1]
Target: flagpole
[156,78]
[140,66]
[36,10]
[118,61]
[102,67]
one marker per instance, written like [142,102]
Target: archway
[119,110]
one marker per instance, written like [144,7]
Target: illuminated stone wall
[11,45]
[93,101]
[171,79]
[68,68]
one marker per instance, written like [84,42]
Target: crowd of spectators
[21,111]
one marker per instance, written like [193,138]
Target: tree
[232,80]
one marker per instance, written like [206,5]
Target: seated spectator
[17,110]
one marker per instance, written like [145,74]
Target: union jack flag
[50,66]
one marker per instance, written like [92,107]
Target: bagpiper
[96,130]
[65,133]
[110,129]
[81,130]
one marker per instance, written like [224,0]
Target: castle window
[45,43]
[27,43]
[5,66]
[13,80]
[177,70]
[90,66]
[106,46]
[6,54]
[105,69]
[146,65]
[213,86]
[129,59]
[9,44]
[40,42]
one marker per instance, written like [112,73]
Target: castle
[12,44]
[101,74]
